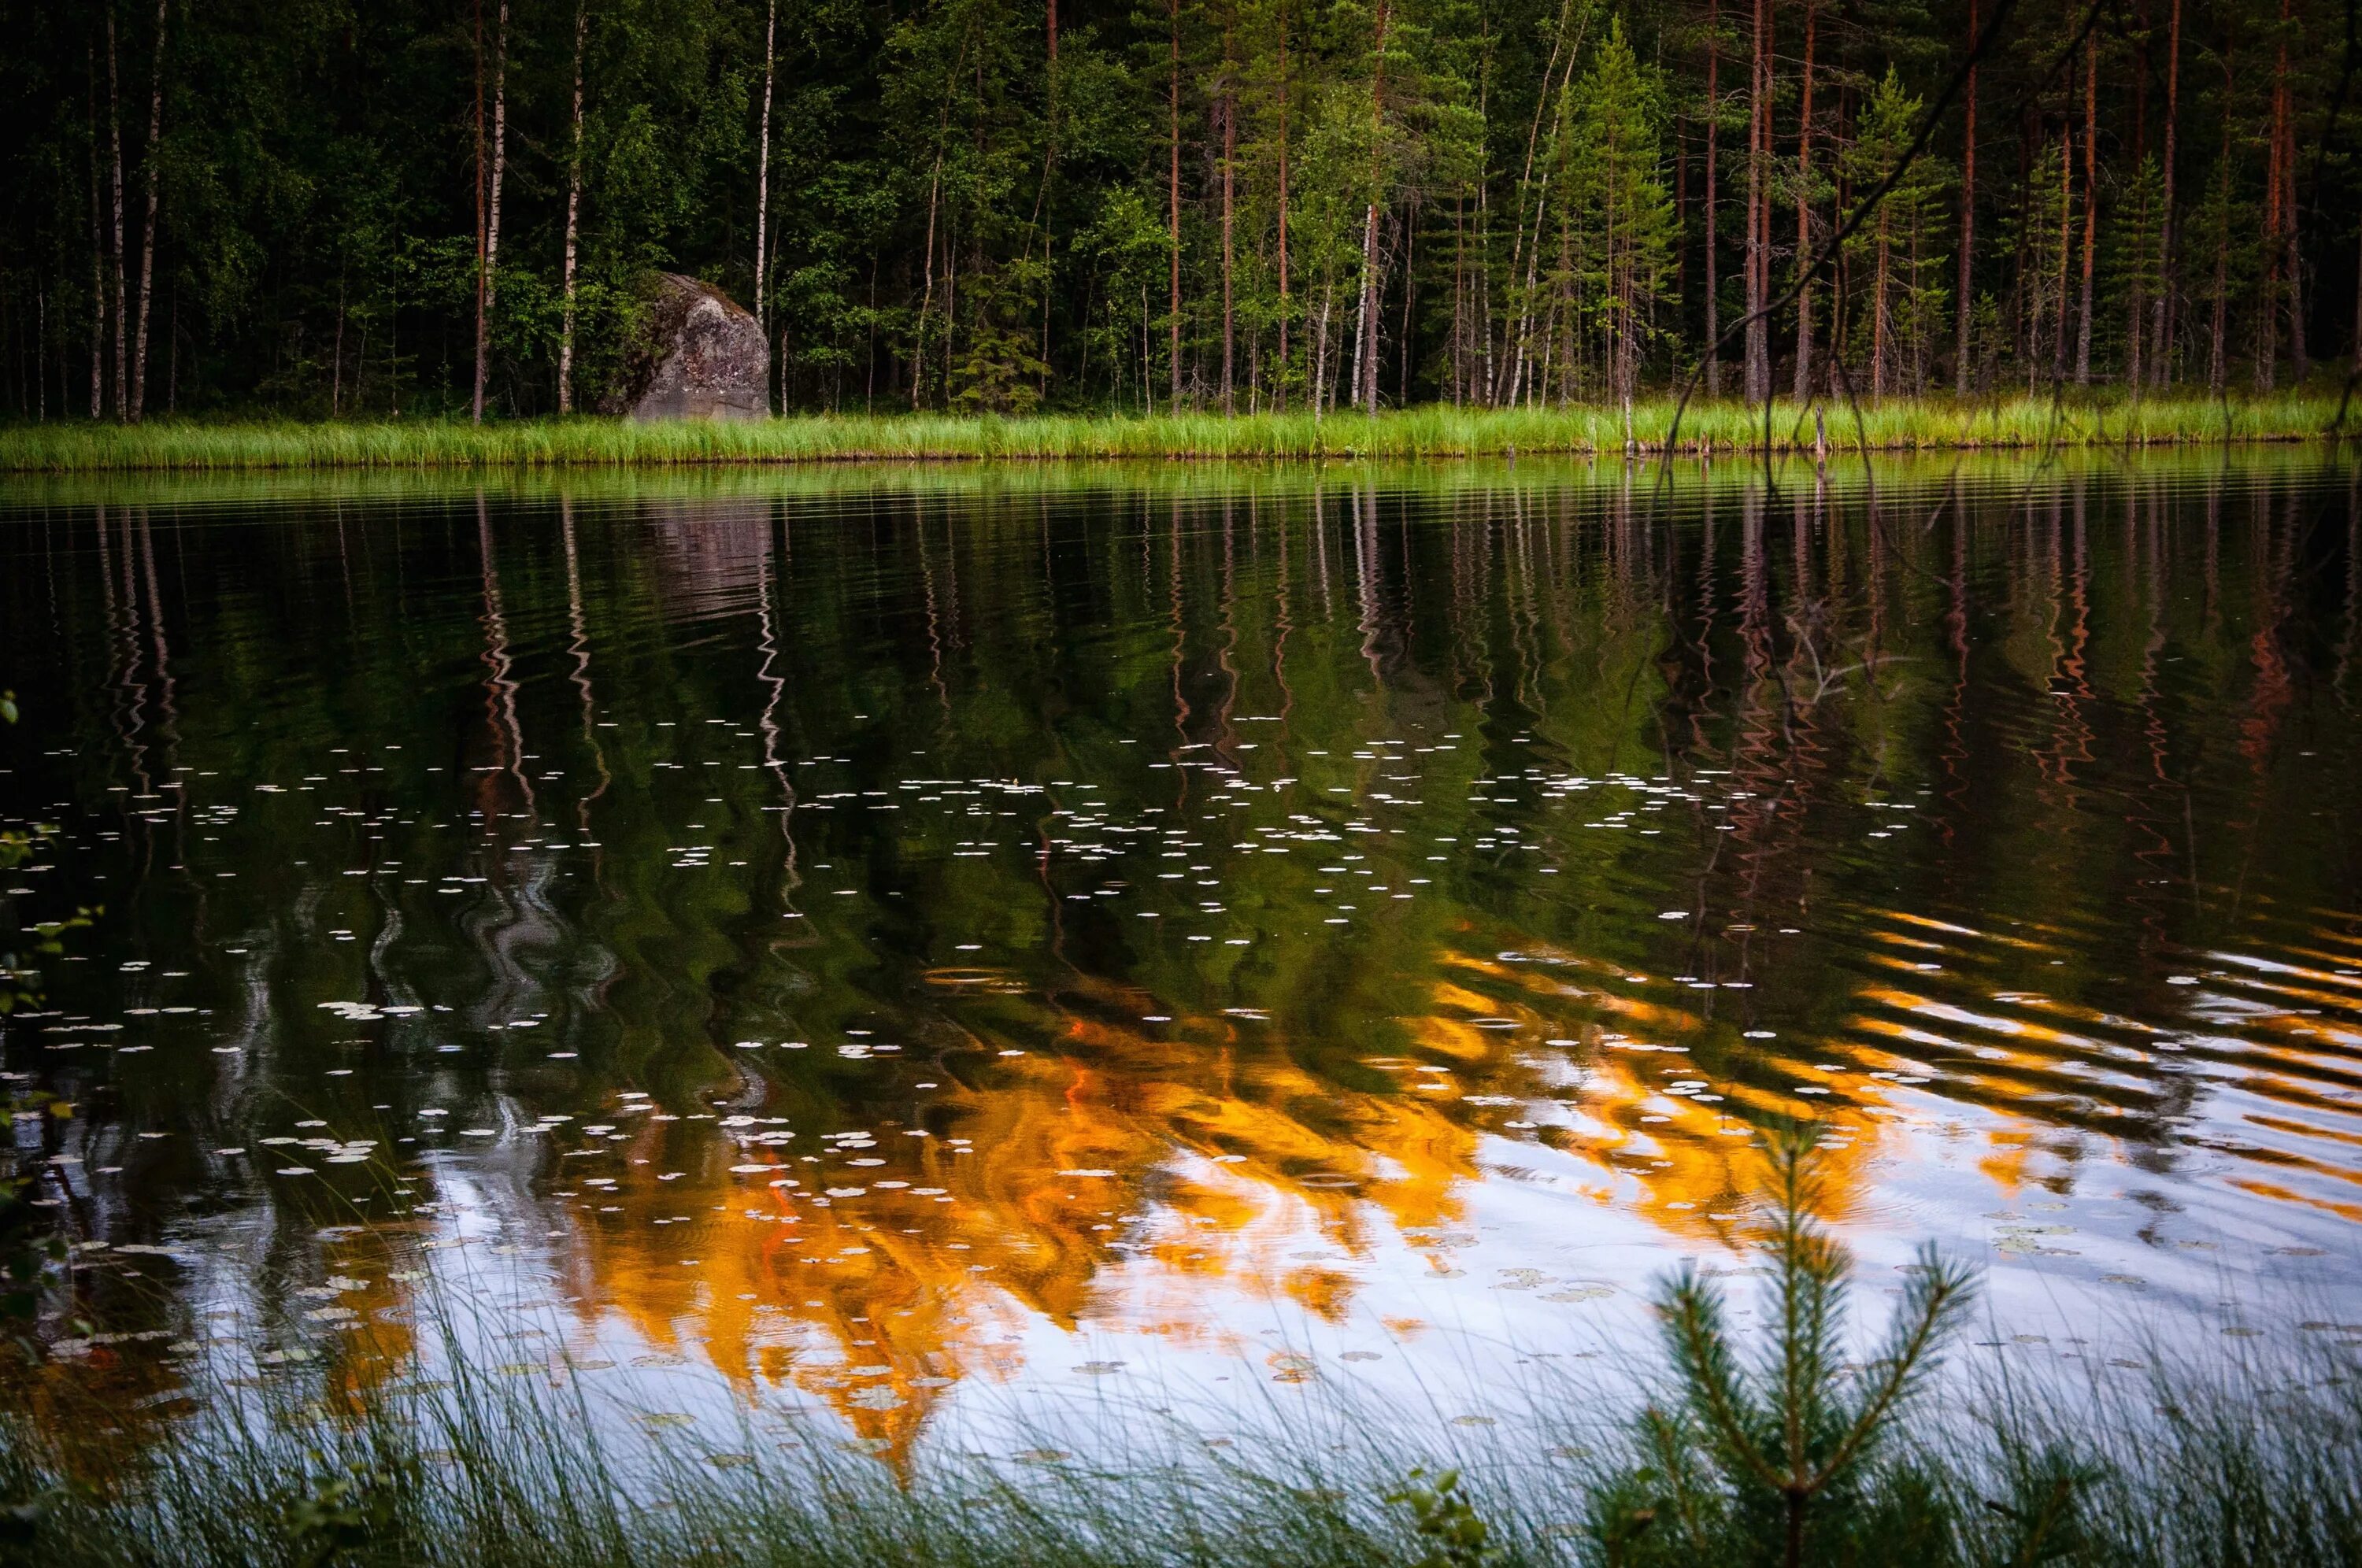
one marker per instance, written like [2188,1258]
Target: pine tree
[1618,202]
[1899,246]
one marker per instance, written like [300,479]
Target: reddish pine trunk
[2267,326]
[1713,136]
[1758,248]
[2217,371]
[2161,370]
[2091,205]
[122,310]
[2065,249]
[1230,156]
[1960,305]
[2284,126]
[1367,355]
[147,236]
[97,257]
[1804,212]
[1172,23]
[2135,300]
[1279,382]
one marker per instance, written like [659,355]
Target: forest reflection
[830,923]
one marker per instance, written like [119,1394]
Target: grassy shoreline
[2182,1465]
[1847,475]
[1437,432]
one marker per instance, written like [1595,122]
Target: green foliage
[1618,213]
[1904,247]
[1451,1533]
[1794,1456]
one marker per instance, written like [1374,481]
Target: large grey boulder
[699,355]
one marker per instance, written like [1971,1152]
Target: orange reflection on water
[1203,1154]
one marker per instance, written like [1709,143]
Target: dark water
[861,937]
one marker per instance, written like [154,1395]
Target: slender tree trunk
[574,215]
[1713,140]
[1759,248]
[1680,213]
[1878,315]
[1041,206]
[2284,127]
[336,359]
[2267,316]
[122,273]
[492,215]
[97,257]
[2357,331]
[2161,366]
[2136,294]
[1458,295]
[1360,341]
[2066,251]
[1229,156]
[1410,292]
[927,298]
[1173,130]
[1367,355]
[1480,288]
[1279,382]
[2217,371]
[2090,204]
[763,168]
[152,177]
[1805,212]
[1321,350]
[1961,305]
[476,415]
[1554,83]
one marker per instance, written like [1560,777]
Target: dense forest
[325,209]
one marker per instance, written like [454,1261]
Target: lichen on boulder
[697,354]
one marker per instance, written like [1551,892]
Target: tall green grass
[1778,1453]
[1894,424]
[1847,475]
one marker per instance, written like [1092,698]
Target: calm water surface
[877,943]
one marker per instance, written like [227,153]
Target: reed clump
[1429,432]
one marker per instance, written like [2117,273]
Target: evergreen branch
[1702,1355]
[1938,1293]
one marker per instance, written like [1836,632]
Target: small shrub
[1789,1456]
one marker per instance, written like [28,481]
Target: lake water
[889,945]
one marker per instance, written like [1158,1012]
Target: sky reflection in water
[871,935]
